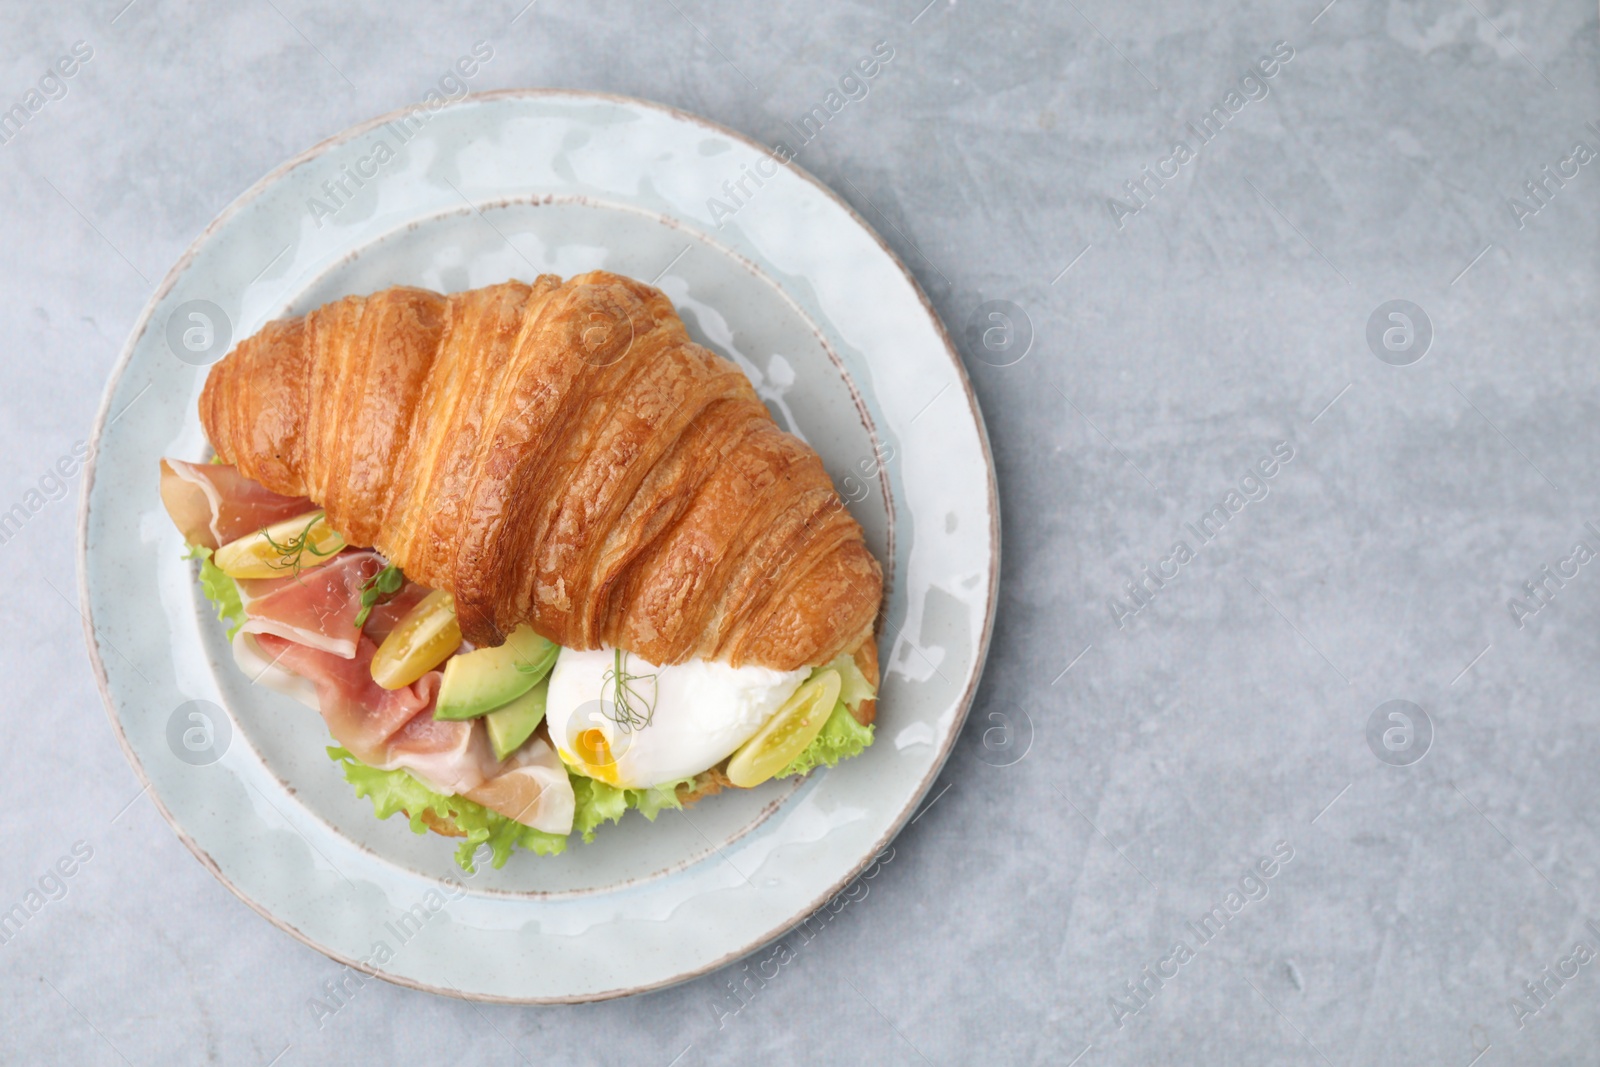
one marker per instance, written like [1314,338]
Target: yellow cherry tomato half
[425,638]
[282,549]
[787,734]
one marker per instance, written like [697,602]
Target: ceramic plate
[781,277]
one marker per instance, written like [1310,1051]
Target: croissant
[559,454]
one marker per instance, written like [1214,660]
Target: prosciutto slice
[450,757]
[532,788]
[388,729]
[361,714]
[264,670]
[317,607]
[212,503]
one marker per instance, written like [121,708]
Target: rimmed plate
[767,267]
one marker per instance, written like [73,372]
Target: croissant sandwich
[535,556]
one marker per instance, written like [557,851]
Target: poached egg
[633,724]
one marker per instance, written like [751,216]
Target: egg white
[685,718]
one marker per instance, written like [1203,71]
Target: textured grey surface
[1181,747]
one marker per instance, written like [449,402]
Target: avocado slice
[479,681]
[511,725]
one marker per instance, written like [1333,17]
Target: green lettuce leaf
[841,738]
[397,791]
[219,589]
[854,687]
[596,802]
[599,803]
[650,802]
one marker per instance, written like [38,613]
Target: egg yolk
[594,752]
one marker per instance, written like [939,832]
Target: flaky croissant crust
[559,454]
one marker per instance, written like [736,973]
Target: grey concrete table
[1186,824]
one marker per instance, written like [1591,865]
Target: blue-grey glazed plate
[791,284]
